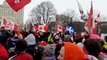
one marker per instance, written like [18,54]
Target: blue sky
[63,5]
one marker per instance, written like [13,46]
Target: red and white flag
[9,25]
[60,28]
[42,28]
[17,4]
[90,24]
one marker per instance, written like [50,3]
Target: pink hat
[95,36]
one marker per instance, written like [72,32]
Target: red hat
[42,43]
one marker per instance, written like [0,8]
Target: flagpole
[99,28]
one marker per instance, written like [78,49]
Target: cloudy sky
[63,5]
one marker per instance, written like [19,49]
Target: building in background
[9,14]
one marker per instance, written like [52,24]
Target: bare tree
[72,14]
[44,13]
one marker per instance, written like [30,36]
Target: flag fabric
[42,28]
[80,8]
[70,29]
[90,24]
[15,27]
[33,29]
[9,25]
[17,4]
[60,28]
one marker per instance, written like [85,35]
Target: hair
[93,46]
[105,38]
[21,45]
[86,36]
[2,27]
[67,32]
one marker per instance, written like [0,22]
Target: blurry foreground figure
[21,46]
[3,52]
[71,51]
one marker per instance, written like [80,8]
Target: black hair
[2,27]
[105,38]
[86,36]
[21,45]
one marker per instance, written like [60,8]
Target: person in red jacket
[21,46]
[3,53]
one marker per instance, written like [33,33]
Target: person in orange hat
[71,51]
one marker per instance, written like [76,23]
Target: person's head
[86,36]
[71,51]
[49,50]
[93,46]
[67,38]
[56,38]
[98,38]
[105,38]
[67,32]
[21,46]
[2,28]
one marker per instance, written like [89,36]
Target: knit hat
[42,43]
[73,52]
[49,49]
[81,45]
[95,36]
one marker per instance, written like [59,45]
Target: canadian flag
[90,24]
[9,25]
[42,28]
[17,4]
[60,28]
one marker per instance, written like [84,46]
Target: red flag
[60,28]
[90,24]
[15,26]
[17,4]
[80,8]
[4,22]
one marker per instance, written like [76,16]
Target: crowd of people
[22,45]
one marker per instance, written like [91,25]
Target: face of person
[57,37]
[61,55]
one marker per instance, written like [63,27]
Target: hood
[73,52]
[50,58]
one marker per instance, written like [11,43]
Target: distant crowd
[22,45]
